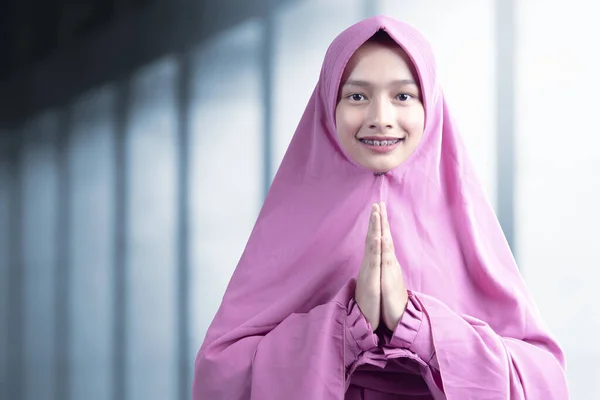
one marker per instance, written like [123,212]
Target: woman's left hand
[394,296]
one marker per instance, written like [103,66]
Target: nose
[381,115]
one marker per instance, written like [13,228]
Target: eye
[404,97]
[357,97]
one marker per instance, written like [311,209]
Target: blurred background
[138,139]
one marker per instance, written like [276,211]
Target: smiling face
[379,115]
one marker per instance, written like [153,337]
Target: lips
[380,140]
[381,144]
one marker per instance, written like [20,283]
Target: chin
[381,167]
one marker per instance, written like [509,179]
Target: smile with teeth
[388,142]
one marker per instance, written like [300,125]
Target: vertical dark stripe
[267,60]
[183,106]
[16,373]
[5,321]
[120,245]
[63,268]
[505,88]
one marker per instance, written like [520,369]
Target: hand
[368,284]
[394,296]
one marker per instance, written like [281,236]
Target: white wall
[558,181]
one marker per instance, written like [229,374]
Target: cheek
[414,122]
[348,123]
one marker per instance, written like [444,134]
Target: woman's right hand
[368,284]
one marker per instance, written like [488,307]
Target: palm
[394,296]
[380,290]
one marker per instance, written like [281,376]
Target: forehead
[377,59]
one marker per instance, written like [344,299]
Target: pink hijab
[279,330]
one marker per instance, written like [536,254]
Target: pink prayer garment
[289,328]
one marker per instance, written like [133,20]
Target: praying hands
[380,292]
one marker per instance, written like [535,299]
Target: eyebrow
[353,82]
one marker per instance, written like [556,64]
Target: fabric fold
[359,335]
[414,332]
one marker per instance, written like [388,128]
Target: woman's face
[380,115]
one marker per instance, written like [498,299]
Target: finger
[377,226]
[385,223]
[368,289]
[374,245]
[388,256]
[388,253]
[374,228]
[369,228]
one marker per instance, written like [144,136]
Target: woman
[377,268]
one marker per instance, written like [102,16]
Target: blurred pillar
[267,60]
[63,267]
[370,7]
[505,89]
[15,298]
[120,262]
[183,167]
